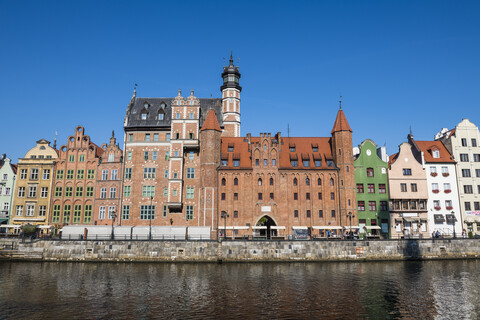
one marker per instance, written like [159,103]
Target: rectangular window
[56,213]
[129,155]
[332,196]
[168,137]
[477,173]
[236,163]
[71,158]
[165,174]
[89,192]
[476,157]
[308,214]
[307,196]
[33,174]
[90,174]
[81,158]
[23,174]
[403,187]
[149,173]
[319,196]
[44,192]
[126,212]
[474,142]
[42,211]
[127,191]
[295,213]
[19,211]
[190,136]
[433,170]
[111,212]
[70,174]
[372,205]
[164,211]
[128,173]
[154,155]
[370,172]
[446,187]
[147,212]
[190,156]
[463,157]
[361,205]
[66,213]
[165,192]
[274,162]
[21,192]
[260,196]
[101,212]
[147,137]
[318,163]
[113,193]
[359,187]
[464,142]
[466,173]
[306,163]
[148,191]
[223,196]
[476,205]
[111,157]
[130,137]
[155,137]
[114,174]
[294,163]
[407,172]
[295,196]
[59,174]
[80,174]
[58,191]
[46,174]
[271,196]
[383,206]
[145,155]
[467,206]
[87,216]
[77,213]
[189,213]
[104,174]
[371,188]
[190,173]
[320,213]
[413,187]
[190,192]
[30,210]
[467,189]
[333,213]
[103,193]
[382,188]
[265,162]
[32,191]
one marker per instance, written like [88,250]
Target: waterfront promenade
[238,250]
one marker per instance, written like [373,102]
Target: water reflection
[426,290]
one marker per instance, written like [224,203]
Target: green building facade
[371,181]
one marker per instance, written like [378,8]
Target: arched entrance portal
[268,232]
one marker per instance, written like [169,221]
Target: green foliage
[470,234]
[29,229]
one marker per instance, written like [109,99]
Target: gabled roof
[428,146]
[341,123]
[211,122]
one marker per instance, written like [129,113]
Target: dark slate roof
[137,104]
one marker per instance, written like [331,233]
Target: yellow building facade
[33,190]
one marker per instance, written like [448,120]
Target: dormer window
[292,147]
[145,105]
[314,147]
[160,115]
[230,147]
[163,105]
[436,154]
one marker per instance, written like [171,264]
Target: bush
[29,229]
[470,234]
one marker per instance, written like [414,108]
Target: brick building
[74,180]
[108,186]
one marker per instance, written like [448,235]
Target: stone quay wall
[237,251]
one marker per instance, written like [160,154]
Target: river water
[386,290]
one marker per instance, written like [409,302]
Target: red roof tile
[211,122]
[341,123]
[428,146]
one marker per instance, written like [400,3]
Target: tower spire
[340,101]
[231,57]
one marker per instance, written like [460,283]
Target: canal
[385,290]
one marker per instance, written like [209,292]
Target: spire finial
[113,133]
[179,92]
[231,57]
[191,92]
[55,141]
[340,101]
[135,90]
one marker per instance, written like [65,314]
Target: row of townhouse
[185,163]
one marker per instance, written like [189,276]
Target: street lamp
[454,219]
[350,215]
[150,218]
[114,216]
[225,216]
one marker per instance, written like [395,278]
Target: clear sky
[396,63]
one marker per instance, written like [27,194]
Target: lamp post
[225,216]
[454,219]
[114,216]
[150,219]
[350,215]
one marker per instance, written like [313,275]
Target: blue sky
[396,63]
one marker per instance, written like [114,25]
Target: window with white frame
[114,174]
[7,191]
[23,174]
[113,193]
[6,206]
[46,174]
[435,186]
[148,191]
[190,173]
[446,186]
[32,191]
[111,157]
[444,170]
[19,211]
[436,153]
[33,174]
[190,192]
[104,174]
[101,213]
[149,173]
[433,169]
[103,193]
[128,173]
[126,212]
[154,155]
[189,213]
[42,211]
[30,210]
[21,192]
[5,176]
[111,212]
[129,155]
[44,192]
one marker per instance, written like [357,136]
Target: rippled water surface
[422,290]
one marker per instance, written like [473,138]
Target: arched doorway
[267,222]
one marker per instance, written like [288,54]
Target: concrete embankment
[237,251]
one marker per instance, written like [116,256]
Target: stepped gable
[211,122]
[341,123]
[156,105]
[428,146]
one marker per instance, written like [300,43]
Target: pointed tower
[231,100]
[342,151]
[209,162]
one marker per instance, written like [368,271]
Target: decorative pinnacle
[113,133]
[191,92]
[179,92]
[231,57]
[340,102]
